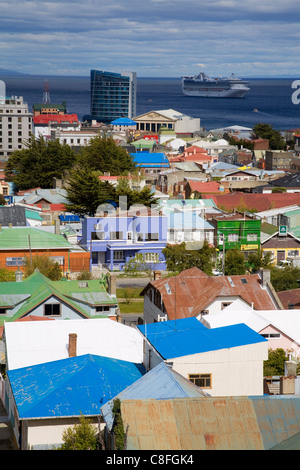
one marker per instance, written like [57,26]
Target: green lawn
[132,292]
[132,307]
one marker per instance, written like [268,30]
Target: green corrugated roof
[18,238]
[38,288]
[32,215]
[268,228]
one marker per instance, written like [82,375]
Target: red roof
[258,202]
[204,186]
[55,118]
[193,291]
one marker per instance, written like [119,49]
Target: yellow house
[283,246]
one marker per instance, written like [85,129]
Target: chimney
[57,227]
[265,275]
[19,275]
[157,275]
[112,290]
[72,345]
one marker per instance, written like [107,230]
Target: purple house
[116,236]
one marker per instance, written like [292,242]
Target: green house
[237,231]
[40,297]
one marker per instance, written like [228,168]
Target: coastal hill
[6,72]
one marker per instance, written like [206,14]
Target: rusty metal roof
[211,423]
[192,291]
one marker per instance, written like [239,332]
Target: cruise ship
[205,86]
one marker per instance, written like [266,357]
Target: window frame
[197,376]
[52,314]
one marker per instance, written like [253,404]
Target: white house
[225,361]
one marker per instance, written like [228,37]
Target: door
[280,256]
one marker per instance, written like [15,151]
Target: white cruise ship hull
[218,93]
[204,86]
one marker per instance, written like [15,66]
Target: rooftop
[177,338]
[192,291]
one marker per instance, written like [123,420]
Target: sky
[154,38]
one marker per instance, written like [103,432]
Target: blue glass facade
[112,95]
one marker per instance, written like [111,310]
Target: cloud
[149,37]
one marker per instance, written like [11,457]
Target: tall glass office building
[112,95]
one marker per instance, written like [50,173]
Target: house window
[151,257]
[98,236]
[102,308]
[225,304]
[15,261]
[221,238]
[252,237]
[58,259]
[52,309]
[118,255]
[201,380]
[151,236]
[293,253]
[116,235]
[271,335]
[2,311]
[233,237]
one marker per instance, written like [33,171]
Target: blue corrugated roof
[70,387]
[159,383]
[123,122]
[146,159]
[177,338]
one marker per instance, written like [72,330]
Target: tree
[178,258]
[285,278]
[102,154]
[47,266]
[85,192]
[82,436]
[37,165]
[234,263]
[138,265]
[275,363]
[118,432]
[265,131]
[259,260]
[6,275]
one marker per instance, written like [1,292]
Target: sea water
[268,101]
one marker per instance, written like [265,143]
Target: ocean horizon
[268,101]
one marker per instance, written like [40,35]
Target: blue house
[118,236]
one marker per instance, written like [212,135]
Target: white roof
[287,321]
[37,342]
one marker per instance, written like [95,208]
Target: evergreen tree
[265,131]
[234,263]
[82,436]
[37,165]
[85,192]
[102,154]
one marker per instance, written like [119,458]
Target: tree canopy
[86,192]
[37,164]
[104,155]
[265,131]
[179,258]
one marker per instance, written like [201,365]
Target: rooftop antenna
[46,94]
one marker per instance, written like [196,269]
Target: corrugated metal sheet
[70,386]
[210,423]
[161,382]
[189,336]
